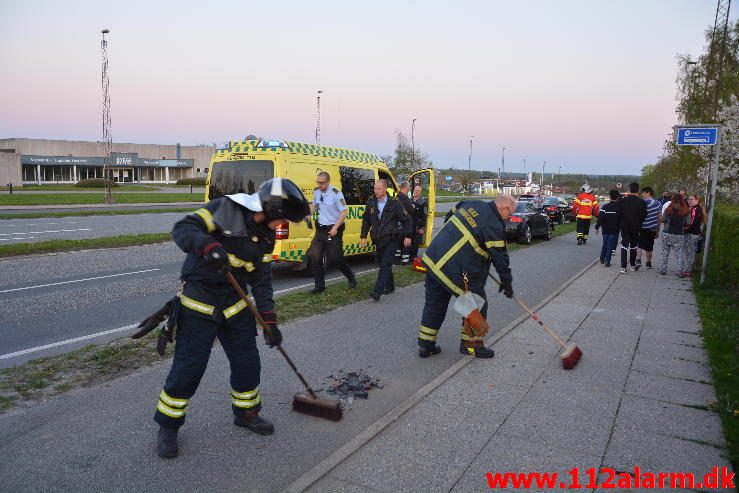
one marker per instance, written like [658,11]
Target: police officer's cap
[282,199]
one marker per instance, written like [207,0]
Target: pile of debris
[348,386]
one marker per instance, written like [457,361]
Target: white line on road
[132,326]
[42,232]
[78,280]
[11,239]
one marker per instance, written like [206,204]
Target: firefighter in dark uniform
[420,217]
[472,237]
[403,256]
[386,221]
[235,233]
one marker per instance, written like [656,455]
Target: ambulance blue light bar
[267,144]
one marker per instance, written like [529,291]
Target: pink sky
[586,85]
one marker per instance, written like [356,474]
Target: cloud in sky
[586,85]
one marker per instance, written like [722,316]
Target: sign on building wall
[118,159]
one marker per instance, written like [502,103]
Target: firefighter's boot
[476,349]
[167,442]
[255,423]
[427,348]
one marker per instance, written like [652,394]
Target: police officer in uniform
[386,221]
[235,233]
[459,257]
[332,211]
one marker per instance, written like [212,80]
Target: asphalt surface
[80,227]
[49,299]
[102,438]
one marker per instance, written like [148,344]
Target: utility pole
[541,179]
[318,117]
[525,176]
[502,163]
[413,144]
[469,167]
[107,137]
[559,176]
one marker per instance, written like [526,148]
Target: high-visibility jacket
[249,246]
[472,237]
[585,206]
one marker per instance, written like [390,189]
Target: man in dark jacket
[632,211]
[608,220]
[386,221]
[459,258]
[404,189]
[235,233]
[420,218]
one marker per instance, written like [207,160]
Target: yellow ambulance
[245,164]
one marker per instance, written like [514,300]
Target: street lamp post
[469,166]
[413,144]
[318,117]
[541,180]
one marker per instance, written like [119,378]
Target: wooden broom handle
[532,315]
[266,328]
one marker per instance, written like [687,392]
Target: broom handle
[532,315]
[266,329]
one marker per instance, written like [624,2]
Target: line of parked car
[536,216]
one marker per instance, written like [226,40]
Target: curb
[318,471]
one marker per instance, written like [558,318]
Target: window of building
[356,184]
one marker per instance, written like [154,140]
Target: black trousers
[385,259]
[333,247]
[436,305]
[583,228]
[195,337]
[630,243]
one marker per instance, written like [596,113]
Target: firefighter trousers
[435,308]
[195,337]
[583,228]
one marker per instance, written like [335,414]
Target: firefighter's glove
[506,287]
[272,335]
[217,257]
[153,321]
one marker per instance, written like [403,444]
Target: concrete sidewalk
[638,398]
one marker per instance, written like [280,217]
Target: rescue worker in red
[584,207]
[237,233]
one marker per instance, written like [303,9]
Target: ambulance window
[357,184]
[231,177]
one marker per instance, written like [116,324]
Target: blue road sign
[696,136]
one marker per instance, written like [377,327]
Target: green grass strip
[53,246]
[97,198]
[719,312]
[36,215]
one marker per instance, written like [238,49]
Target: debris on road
[350,385]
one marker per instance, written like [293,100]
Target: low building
[42,161]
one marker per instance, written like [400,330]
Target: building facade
[41,161]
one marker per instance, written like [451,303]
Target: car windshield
[521,207]
[229,177]
[552,201]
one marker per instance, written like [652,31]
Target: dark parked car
[528,222]
[558,210]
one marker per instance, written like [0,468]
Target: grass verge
[97,198]
[52,246]
[73,188]
[719,312]
[92,365]
[36,215]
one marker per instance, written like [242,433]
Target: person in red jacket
[584,207]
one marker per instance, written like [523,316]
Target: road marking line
[68,341]
[11,239]
[51,231]
[133,326]
[77,280]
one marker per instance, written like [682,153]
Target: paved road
[101,439]
[79,227]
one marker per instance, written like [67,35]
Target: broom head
[571,356]
[320,408]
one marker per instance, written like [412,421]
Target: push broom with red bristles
[572,353]
[305,403]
